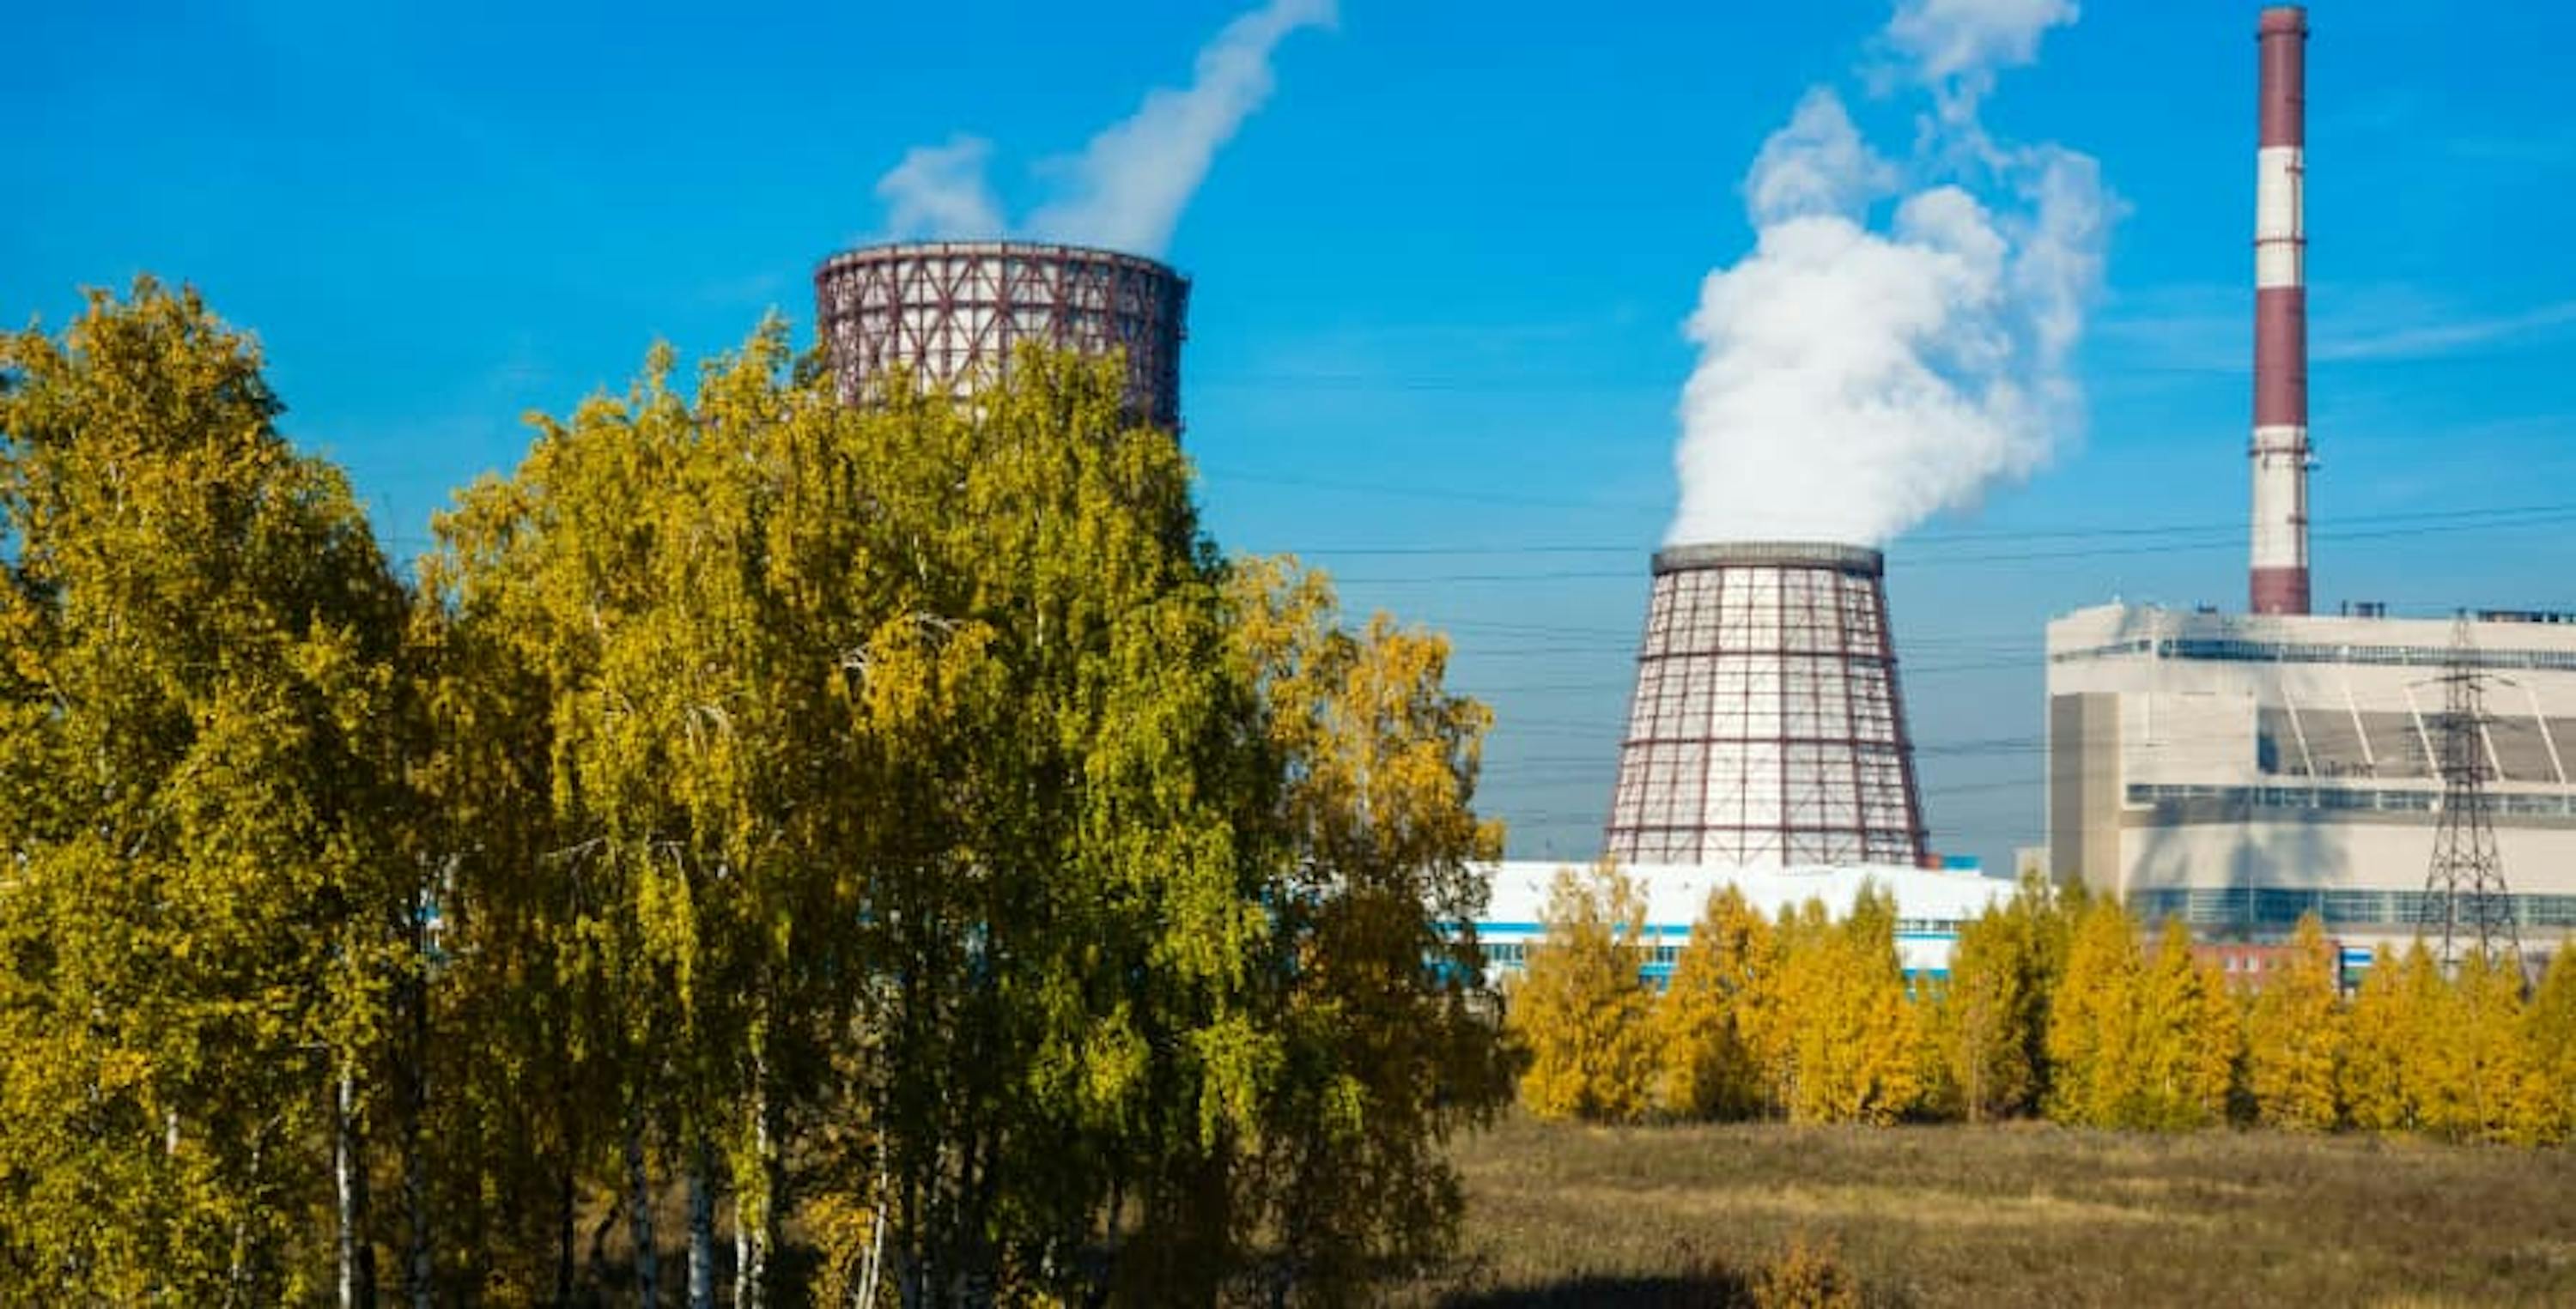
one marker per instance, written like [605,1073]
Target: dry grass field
[2003,1216]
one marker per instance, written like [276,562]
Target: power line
[1938,539]
[2525,519]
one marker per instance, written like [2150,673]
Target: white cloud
[2430,335]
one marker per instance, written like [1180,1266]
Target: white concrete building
[2240,770]
[1931,905]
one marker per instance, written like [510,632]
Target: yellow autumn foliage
[1580,1011]
[2295,1038]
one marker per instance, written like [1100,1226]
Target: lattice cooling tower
[1766,726]
[952,312]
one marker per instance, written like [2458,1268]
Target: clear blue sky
[1440,279]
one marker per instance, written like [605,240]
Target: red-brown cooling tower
[2280,563]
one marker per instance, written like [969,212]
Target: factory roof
[2497,638]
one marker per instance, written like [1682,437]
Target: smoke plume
[941,189]
[1128,186]
[1898,339]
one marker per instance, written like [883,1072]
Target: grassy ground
[2016,1215]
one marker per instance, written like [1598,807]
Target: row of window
[1515,954]
[2266,906]
[2301,652]
[2382,800]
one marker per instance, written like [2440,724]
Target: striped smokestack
[2280,572]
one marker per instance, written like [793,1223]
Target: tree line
[899,826]
[2056,1005]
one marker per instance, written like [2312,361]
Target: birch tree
[2549,1041]
[1851,1033]
[2093,1057]
[2385,1036]
[1707,1064]
[2190,1036]
[203,899]
[1580,1009]
[1386,1032]
[2295,1031]
[1992,1011]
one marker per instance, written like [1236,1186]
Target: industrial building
[1931,905]
[951,314]
[2243,769]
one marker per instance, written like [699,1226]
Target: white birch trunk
[756,1200]
[702,1227]
[349,1178]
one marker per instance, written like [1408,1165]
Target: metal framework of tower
[2464,891]
[1766,726]
[951,314]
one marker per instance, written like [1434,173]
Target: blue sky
[1440,279]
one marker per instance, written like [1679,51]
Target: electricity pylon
[2464,892]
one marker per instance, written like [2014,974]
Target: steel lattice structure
[953,312]
[1766,727]
[2464,891]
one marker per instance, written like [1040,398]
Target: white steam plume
[939,190]
[1127,188]
[1948,42]
[1130,184]
[1858,375]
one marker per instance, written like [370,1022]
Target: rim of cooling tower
[882,251]
[1857,560]
[953,313]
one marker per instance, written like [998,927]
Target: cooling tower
[1766,726]
[953,313]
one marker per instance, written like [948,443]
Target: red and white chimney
[2280,573]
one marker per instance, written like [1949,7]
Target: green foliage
[1140,856]
[904,824]
[1580,1010]
[911,794]
[206,881]
[1386,1040]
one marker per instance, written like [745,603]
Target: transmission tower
[2464,892]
